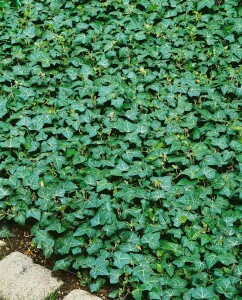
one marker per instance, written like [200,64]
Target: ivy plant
[121,141]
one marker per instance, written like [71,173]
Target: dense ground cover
[120,140]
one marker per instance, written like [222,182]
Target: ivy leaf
[170,269]
[29,32]
[164,182]
[4,192]
[220,142]
[137,294]
[100,218]
[44,241]
[86,71]
[142,273]
[152,239]
[203,293]
[227,259]
[100,268]
[122,166]
[103,185]
[32,181]
[51,144]
[205,3]
[237,25]
[211,259]
[193,172]
[84,229]
[3,107]
[121,259]
[11,143]
[128,247]
[208,172]
[238,271]
[5,232]
[126,126]
[34,213]
[62,264]
[95,287]
[92,130]
[72,72]
[223,286]
[26,93]
[114,276]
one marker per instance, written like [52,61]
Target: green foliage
[8,3]
[121,140]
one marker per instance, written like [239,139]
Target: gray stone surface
[2,244]
[81,295]
[21,279]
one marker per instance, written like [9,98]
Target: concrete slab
[21,279]
[81,295]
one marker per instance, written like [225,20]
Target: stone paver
[2,244]
[81,295]
[21,279]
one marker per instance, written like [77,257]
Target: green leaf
[121,259]
[208,172]
[34,213]
[114,276]
[237,25]
[32,181]
[203,293]
[44,241]
[227,259]
[62,264]
[3,107]
[95,287]
[137,294]
[223,286]
[26,93]
[152,284]
[164,183]
[92,130]
[65,243]
[205,3]
[238,271]
[84,229]
[200,150]
[4,192]
[211,259]
[143,274]
[5,232]
[220,142]
[193,172]
[125,126]
[103,185]
[11,143]
[100,268]
[122,166]
[86,71]
[170,269]
[152,239]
